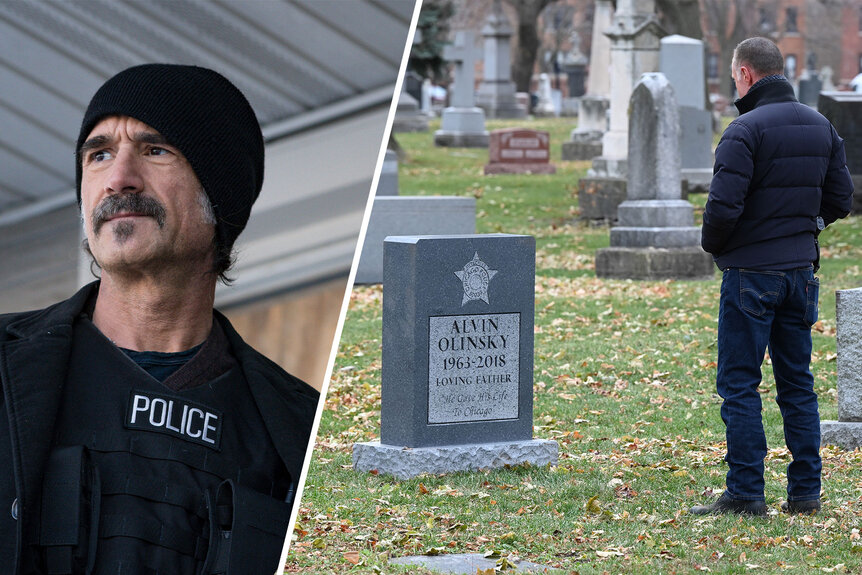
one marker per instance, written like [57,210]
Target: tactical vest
[145,480]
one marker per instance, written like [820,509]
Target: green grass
[624,381]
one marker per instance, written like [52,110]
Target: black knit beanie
[206,117]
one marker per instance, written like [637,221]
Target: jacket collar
[59,315]
[768,90]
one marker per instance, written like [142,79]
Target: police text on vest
[174,416]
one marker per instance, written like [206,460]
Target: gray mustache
[137,203]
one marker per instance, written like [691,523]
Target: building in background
[320,76]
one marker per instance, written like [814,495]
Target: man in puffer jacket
[780,178]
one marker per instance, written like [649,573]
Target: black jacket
[778,166]
[34,352]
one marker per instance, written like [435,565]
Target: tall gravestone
[586,140]
[634,35]
[847,431]
[408,116]
[681,60]
[575,67]
[496,94]
[844,110]
[457,366]
[656,237]
[462,124]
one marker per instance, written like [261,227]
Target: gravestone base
[508,168]
[599,197]
[462,128]
[656,237]
[688,263]
[845,434]
[405,462]
[583,146]
[406,122]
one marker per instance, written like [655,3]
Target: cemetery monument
[496,93]
[462,124]
[656,237]
[634,35]
[457,366]
[844,110]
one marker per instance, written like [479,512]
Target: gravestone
[496,93]
[519,151]
[844,110]
[408,116]
[387,185]
[457,365]
[468,564]
[462,124]
[586,139]
[634,35]
[847,431]
[809,88]
[681,60]
[575,67]
[656,237]
[826,74]
[401,215]
[545,106]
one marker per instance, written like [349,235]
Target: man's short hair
[759,54]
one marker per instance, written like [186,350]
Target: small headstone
[462,124]
[545,105]
[656,237]
[844,110]
[809,89]
[399,215]
[408,116]
[586,139]
[457,366]
[826,75]
[426,96]
[387,185]
[466,564]
[847,431]
[519,151]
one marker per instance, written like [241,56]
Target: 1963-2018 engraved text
[473,367]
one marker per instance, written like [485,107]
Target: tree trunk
[527,39]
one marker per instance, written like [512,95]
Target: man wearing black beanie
[141,434]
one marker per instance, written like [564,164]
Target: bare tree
[527,40]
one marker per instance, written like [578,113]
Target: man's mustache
[127,203]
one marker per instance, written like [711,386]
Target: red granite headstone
[519,151]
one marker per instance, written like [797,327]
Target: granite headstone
[847,431]
[457,365]
[844,110]
[519,151]
[496,94]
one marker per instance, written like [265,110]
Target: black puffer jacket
[778,166]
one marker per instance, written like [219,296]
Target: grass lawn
[624,380]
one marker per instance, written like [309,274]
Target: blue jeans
[774,309]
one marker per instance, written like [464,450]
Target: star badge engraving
[475,276]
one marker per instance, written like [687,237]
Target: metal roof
[300,63]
